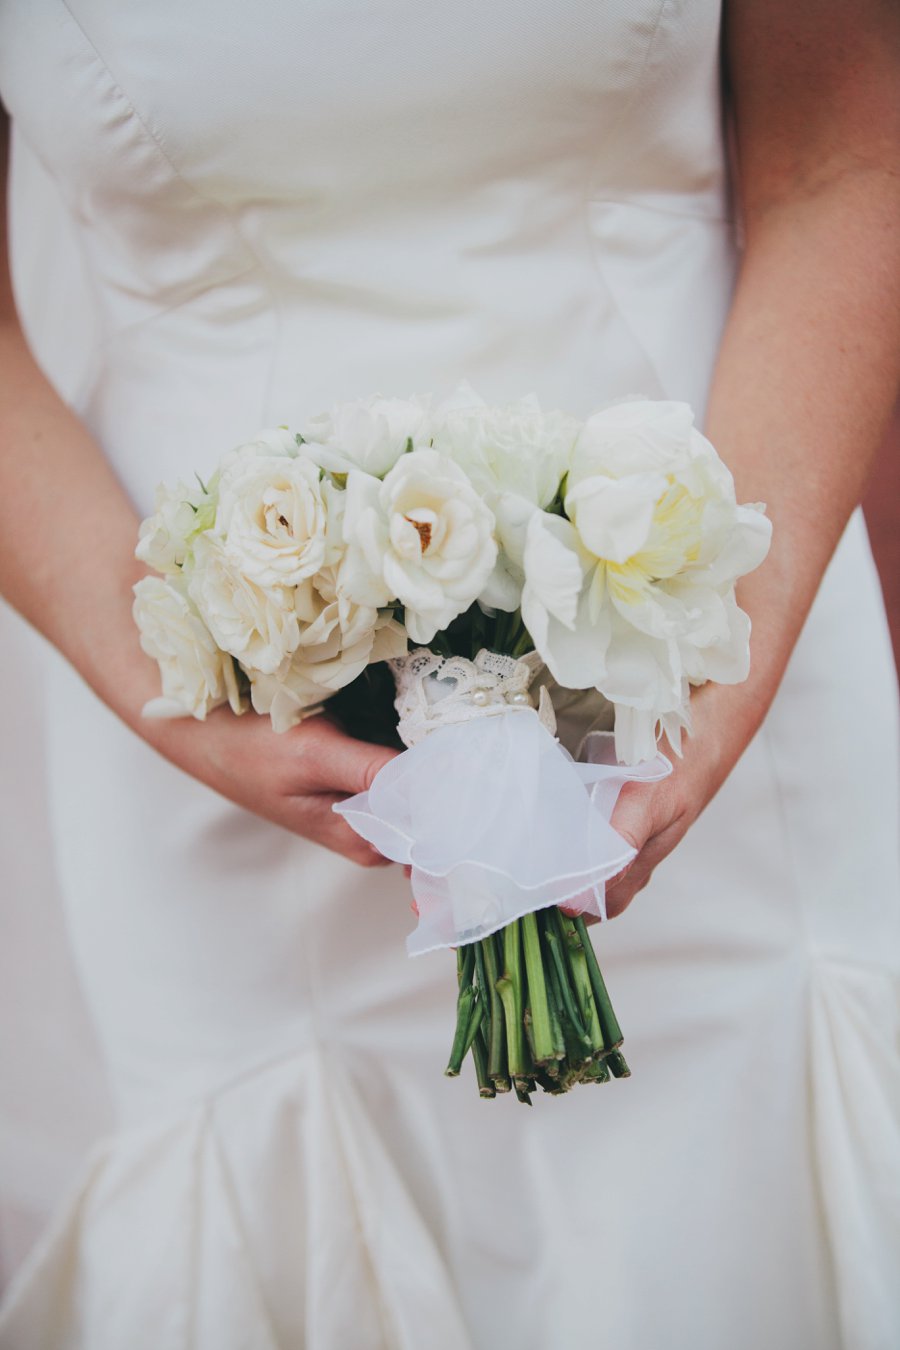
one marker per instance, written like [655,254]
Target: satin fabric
[258,212]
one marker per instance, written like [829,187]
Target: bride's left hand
[655,817]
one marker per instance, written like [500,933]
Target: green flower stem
[522,1092]
[484,992]
[612,1032]
[543,1048]
[617,1065]
[553,1001]
[464,1009]
[497,1065]
[465,965]
[522,642]
[562,987]
[475,1019]
[509,987]
[479,1053]
[581,981]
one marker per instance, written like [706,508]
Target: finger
[330,760]
[632,879]
[620,896]
[314,818]
[633,815]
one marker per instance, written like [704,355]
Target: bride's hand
[655,817]
[292,778]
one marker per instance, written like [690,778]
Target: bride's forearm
[805,385]
[807,372]
[67,528]
[803,389]
[67,534]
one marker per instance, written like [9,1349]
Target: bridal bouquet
[474,549]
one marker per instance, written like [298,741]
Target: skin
[802,392]
[51,474]
[807,372]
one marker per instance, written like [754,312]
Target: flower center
[422,528]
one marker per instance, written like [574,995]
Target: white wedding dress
[262,209]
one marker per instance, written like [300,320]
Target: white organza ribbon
[493,815]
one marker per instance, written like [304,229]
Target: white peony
[256,624]
[369,434]
[272,516]
[196,675]
[338,639]
[164,539]
[516,458]
[422,537]
[634,593]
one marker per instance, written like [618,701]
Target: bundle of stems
[533,1010]
[532,1006]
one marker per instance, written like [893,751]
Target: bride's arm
[808,367]
[67,536]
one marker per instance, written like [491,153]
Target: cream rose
[256,624]
[516,458]
[369,434]
[196,675]
[422,537]
[338,639]
[164,539]
[272,516]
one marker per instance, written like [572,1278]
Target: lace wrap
[435,690]
[493,816]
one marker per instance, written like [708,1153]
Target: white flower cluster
[618,539]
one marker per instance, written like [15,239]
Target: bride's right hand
[292,778]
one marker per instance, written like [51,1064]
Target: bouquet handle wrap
[494,817]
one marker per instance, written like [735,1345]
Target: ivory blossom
[369,434]
[515,458]
[422,538]
[338,639]
[196,675]
[632,593]
[272,513]
[256,624]
[610,546]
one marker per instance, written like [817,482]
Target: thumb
[632,816]
[340,763]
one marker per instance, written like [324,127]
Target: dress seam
[633,94]
[227,213]
[144,126]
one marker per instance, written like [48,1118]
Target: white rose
[516,458]
[164,539]
[423,537]
[516,449]
[271,441]
[196,675]
[635,592]
[272,517]
[338,639]
[369,434]
[257,624]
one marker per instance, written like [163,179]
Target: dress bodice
[283,206]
